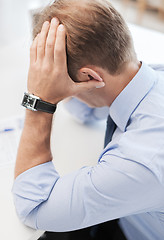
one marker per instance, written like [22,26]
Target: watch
[34,103]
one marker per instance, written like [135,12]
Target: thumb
[86,86]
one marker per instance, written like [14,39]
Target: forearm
[34,147]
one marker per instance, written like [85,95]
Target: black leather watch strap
[45,106]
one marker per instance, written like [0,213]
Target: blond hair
[96,34]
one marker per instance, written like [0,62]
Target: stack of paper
[10,132]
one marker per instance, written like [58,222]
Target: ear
[86,74]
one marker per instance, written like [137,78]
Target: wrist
[37,116]
[35,103]
[38,119]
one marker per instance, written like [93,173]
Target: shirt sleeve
[83,113]
[157,67]
[114,188]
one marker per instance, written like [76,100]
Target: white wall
[14,18]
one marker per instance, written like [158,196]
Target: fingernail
[61,27]
[102,84]
[54,20]
[46,23]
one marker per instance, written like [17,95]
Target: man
[127,182]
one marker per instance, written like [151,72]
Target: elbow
[27,213]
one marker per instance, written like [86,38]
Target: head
[97,37]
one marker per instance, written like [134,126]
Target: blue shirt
[126,183]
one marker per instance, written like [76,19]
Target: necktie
[111,126]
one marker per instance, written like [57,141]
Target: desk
[14,61]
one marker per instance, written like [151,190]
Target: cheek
[85,95]
[90,95]
[88,98]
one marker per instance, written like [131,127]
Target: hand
[48,76]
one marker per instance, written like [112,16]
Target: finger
[50,43]
[42,40]
[60,47]
[33,50]
[86,86]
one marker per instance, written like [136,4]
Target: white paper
[9,139]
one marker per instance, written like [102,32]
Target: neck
[115,84]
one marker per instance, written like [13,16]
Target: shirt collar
[128,100]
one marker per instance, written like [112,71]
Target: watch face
[29,102]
